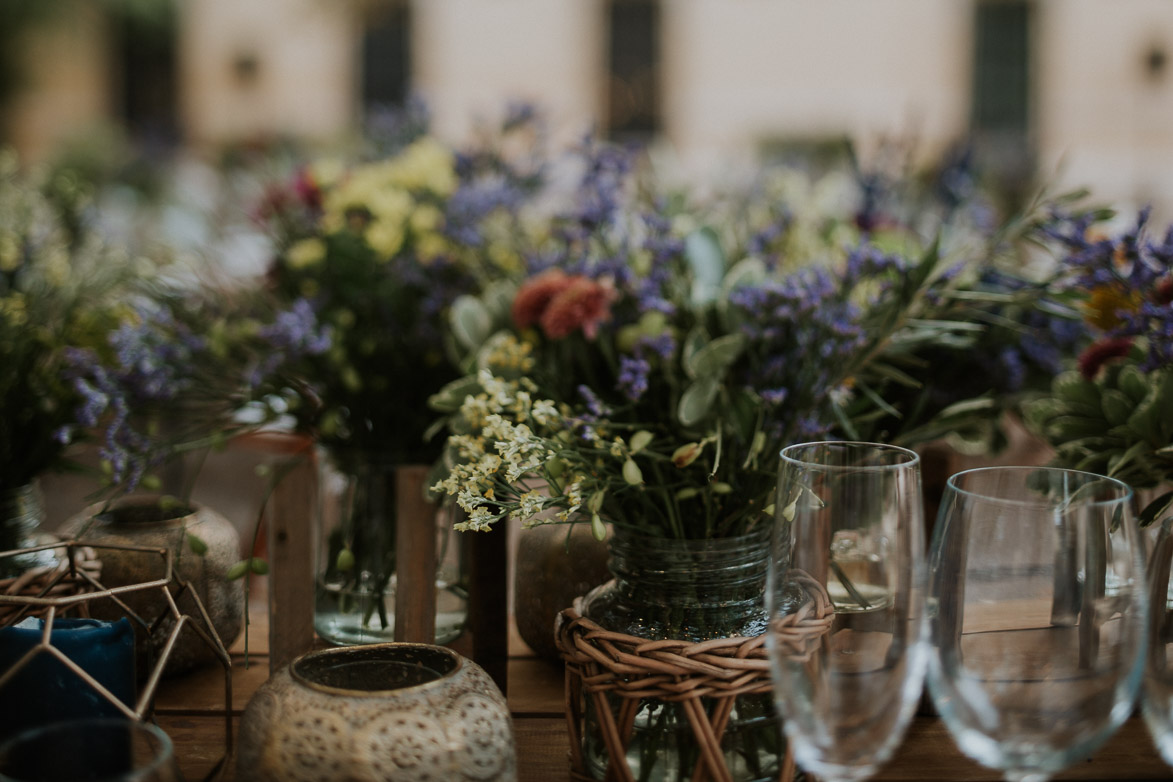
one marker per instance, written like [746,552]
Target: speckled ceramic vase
[143,520]
[378,713]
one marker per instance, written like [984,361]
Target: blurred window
[1001,109]
[633,59]
[145,38]
[386,55]
[1001,94]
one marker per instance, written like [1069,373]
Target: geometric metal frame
[68,572]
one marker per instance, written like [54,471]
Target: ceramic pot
[145,521]
[555,564]
[381,712]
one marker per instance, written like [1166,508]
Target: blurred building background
[1069,92]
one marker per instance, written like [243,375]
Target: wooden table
[190,709]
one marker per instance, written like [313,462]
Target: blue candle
[44,690]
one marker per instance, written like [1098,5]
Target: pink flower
[583,304]
[535,295]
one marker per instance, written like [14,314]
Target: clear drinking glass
[100,750]
[845,596]
[1037,615]
[1157,691]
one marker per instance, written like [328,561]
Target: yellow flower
[307,252]
[391,205]
[14,309]
[385,238]
[425,165]
[431,246]
[57,267]
[1106,302]
[504,257]
[327,172]
[426,219]
[9,253]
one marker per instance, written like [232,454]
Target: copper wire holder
[600,662]
[71,585]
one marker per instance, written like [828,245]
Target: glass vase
[22,512]
[359,510]
[688,590]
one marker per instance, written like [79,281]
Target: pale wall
[1100,121]
[306,84]
[66,73]
[473,56]
[739,72]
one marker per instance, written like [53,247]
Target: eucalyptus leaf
[449,398]
[697,400]
[693,344]
[498,300]
[703,251]
[747,271]
[715,357]
[470,321]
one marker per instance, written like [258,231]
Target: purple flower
[595,406]
[633,377]
[297,331]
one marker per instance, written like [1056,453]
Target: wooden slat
[415,551]
[488,614]
[928,755]
[288,519]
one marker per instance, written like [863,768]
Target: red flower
[307,190]
[532,299]
[1099,353]
[583,304]
[1164,292]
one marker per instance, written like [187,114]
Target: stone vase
[555,564]
[145,520]
[380,713]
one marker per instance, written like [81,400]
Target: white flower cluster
[494,463]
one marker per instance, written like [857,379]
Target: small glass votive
[97,750]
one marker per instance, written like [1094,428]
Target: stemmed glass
[1037,615]
[845,589]
[1157,691]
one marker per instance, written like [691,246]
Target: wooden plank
[488,608]
[415,557]
[289,517]
[928,752]
[542,749]
[201,691]
[535,687]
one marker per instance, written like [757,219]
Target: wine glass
[1157,690]
[1037,615]
[105,749]
[845,590]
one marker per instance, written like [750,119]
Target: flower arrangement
[61,287]
[639,377]
[174,372]
[376,253]
[1112,412]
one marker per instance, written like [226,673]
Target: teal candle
[44,690]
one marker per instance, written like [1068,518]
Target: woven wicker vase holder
[600,661]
